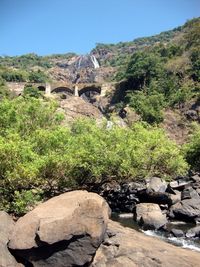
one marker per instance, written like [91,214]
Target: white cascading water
[175,240]
[94,61]
[79,61]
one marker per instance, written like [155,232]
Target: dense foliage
[36,152]
[192,149]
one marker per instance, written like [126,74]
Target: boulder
[159,197]
[180,183]
[149,215]
[193,232]
[186,210]
[177,232]
[64,231]
[127,247]
[188,193]
[6,226]
[156,185]
[174,198]
[196,178]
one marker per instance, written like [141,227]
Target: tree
[142,68]
[149,106]
[38,77]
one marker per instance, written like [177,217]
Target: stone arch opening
[90,93]
[41,88]
[64,92]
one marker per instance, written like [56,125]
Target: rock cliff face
[80,69]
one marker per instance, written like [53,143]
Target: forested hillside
[42,154]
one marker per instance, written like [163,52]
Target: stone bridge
[65,88]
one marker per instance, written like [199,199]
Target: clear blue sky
[60,26]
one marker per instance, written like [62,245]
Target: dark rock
[196,178]
[159,198]
[180,183]
[189,193]
[149,215]
[186,210]
[191,115]
[6,227]
[193,232]
[55,232]
[174,198]
[177,232]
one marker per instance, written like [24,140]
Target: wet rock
[55,232]
[186,210]
[177,232]
[149,216]
[193,232]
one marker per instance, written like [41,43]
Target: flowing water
[95,62]
[192,243]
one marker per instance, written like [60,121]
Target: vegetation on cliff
[164,75]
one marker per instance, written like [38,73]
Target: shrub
[148,106]
[38,77]
[37,152]
[192,150]
[24,201]
[31,91]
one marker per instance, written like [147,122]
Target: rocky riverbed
[74,229]
[170,209]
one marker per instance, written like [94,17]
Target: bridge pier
[48,89]
[76,90]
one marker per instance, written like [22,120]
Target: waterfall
[94,61]
[79,61]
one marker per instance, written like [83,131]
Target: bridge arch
[66,91]
[90,93]
[41,88]
[90,89]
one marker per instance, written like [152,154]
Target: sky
[59,26]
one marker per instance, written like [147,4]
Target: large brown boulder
[64,231]
[127,247]
[6,226]
[149,215]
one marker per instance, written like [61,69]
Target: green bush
[192,150]
[38,77]
[37,152]
[31,91]
[10,75]
[149,106]
[24,201]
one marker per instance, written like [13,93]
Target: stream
[126,220]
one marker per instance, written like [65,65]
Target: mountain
[65,67]
[158,77]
